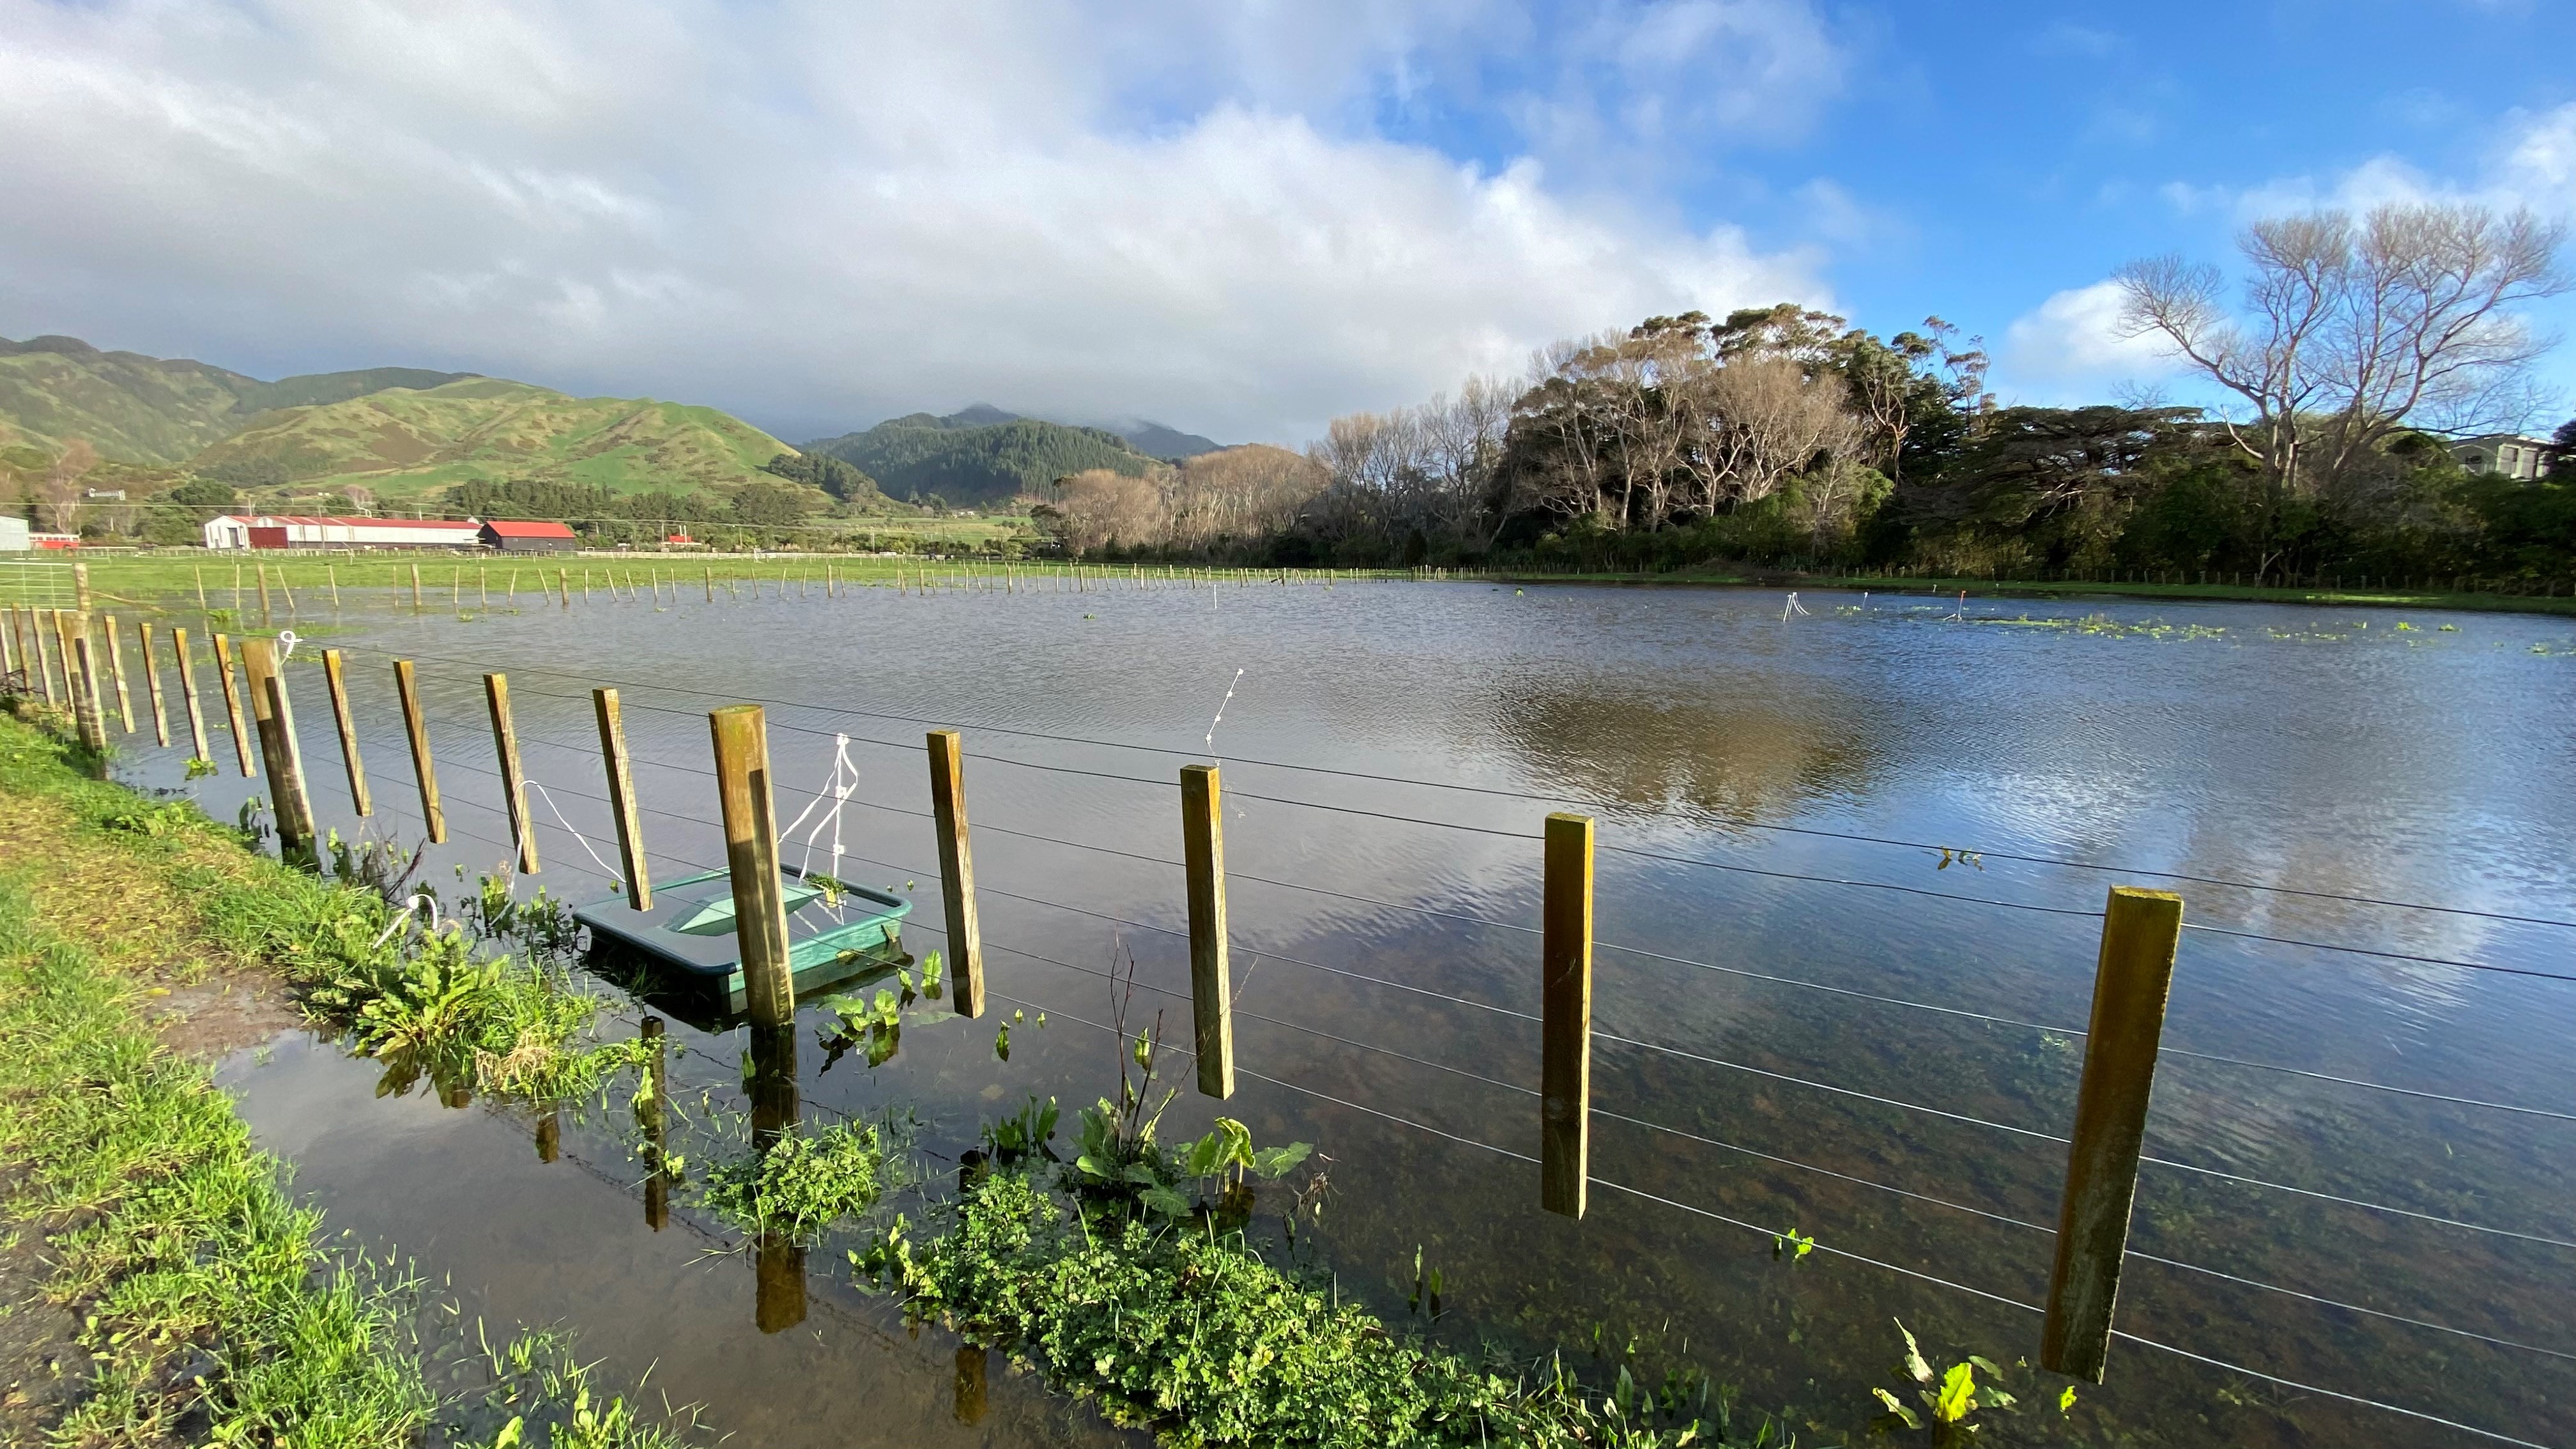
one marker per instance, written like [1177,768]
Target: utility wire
[1615,807]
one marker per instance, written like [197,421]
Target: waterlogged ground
[2357,753]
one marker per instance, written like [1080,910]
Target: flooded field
[1850,868]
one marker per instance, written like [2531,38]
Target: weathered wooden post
[956,871]
[417,726]
[44,661]
[741,734]
[331,571]
[116,670]
[278,745]
[621,799]
[563,583]
[711,583]
[415,589]
[456,588]
[263,597]
[188,695]
[1565,995]
[514,790]
[348,731]
[2131,978]
[1211,997]
[152,682]
[13,642]
[80,587]
[85,710]
[63,646]
[232,703]
[202,606]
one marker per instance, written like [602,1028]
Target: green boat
[685,949]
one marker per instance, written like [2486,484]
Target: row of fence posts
[2141,929]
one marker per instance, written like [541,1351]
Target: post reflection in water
[550,1135]
[970,1384]
[779,1262]
[650,1114]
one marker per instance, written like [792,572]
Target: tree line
[2352,352]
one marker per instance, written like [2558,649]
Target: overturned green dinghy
[685,947]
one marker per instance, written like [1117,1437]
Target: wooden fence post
[278,745]
[348,731]
[741,733]
[232,703]
[17,636]
[80,587]
[563,582]
[332,572]
[2140,930]
[116,671]
[263,601]
[651,1111]
[1565,994]
[415,588]
[85,707]
[1211,995]
[188,695]
[956,871]
[621,799]
[152,682]
[63,646]
[415,725]
[44,665]
[514,791]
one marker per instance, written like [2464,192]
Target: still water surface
[2329,751]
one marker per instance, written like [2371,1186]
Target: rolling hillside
[403,441]
[150,410]
[980,456]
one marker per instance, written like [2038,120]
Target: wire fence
[454,752]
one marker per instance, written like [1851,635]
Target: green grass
[1184,1328]
[172,1235]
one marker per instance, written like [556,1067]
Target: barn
[280,530]
[512,535]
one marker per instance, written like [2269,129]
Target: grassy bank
[2066,589]
[194,1301]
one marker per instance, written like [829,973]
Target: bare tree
[2349,331]
[60,493]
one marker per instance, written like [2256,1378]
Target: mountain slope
[1157,441]
[405,441]
[151,410]
[973,457]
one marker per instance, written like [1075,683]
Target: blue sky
[1241,220]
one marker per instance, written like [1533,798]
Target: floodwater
[1733,758]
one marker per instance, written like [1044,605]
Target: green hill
[406,441]
[979,456]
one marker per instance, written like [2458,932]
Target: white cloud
[2530,160]
[818,216]
[2071,348]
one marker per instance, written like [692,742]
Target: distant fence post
[421,766]
[415,588]
[278,745]
[514,790]
[1565,995]
[188,695]
[2140,930]
[116,671]
[741,733]
[348,732]
[956,871]
[621,799]
[44,665]
[233,704]
[80,586]
[1211,997]
[152,682]
[85,713]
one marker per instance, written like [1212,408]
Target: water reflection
[779,1261]
[652,1116]
[1731,748]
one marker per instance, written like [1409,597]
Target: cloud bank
[818,217]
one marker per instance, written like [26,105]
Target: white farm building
[282,530]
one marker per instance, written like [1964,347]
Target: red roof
[517,528]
